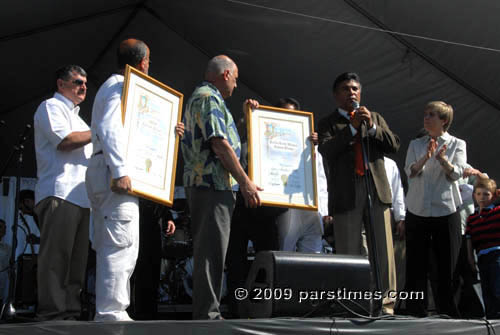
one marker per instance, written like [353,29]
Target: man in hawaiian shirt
[211,149]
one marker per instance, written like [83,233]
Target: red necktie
[358,152]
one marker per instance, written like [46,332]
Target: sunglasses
[79,82]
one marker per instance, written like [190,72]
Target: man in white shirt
[396,214]
[302,230]
[115,213]
[62,150]
[298,229]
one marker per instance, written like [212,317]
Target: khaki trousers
[391,262]
[62,258]
[349,237]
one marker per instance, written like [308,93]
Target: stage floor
[289,326]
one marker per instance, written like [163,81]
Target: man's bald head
[222,72]
[217,66]
[132,52]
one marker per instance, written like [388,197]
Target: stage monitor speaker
[26,286]
[300,284]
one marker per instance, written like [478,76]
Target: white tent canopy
[282,48]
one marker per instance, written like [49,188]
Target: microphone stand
[30,238]
[369,216]
[8,311]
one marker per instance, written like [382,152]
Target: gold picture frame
[150,112]
[281,158]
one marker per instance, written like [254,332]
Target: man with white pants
[115,213]
[299,229]
[302,230]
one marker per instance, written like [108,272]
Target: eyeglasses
[78,82]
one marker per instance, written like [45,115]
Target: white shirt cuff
[118,171]
[372,130]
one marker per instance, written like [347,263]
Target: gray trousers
[211,213]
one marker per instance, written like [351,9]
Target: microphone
[355,105]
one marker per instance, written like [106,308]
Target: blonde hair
[444,112]
[487,184]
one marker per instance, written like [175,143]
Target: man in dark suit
[342,135]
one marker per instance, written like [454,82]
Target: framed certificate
[150,111]
[281,157]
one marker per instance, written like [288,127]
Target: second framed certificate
[281,157]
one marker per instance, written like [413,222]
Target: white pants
[300,230]
[115,240]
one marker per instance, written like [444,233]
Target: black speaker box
[26,287]
[300,284]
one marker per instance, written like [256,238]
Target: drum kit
[176,283]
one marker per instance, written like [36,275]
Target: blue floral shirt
[207,116]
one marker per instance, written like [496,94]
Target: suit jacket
[336,146]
